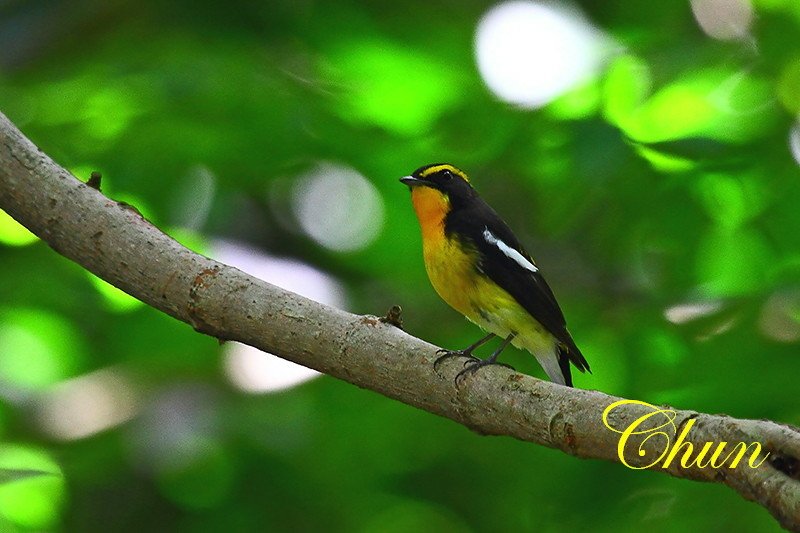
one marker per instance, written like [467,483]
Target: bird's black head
[443,177]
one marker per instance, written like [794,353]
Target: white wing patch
[508,251]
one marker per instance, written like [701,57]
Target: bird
[479,268]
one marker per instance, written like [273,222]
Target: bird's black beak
[411,181]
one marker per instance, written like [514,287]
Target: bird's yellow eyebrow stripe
[438,168]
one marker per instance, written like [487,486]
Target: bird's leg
[466,352]
[491,360]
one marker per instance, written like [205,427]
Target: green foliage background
[637,192]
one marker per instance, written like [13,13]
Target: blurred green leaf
[38,348]
[32,491]
[391,86]
[12,233]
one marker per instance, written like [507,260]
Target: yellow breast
[452,274]
[451,268]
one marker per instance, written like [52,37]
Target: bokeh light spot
[115,299]
[13,233]
[529,53]
[689,311]
[254,371]
[577,103]
[86,405]
[32,495]
[399,89]
[723,19]
[715,103]
[37,348]
[108,111]
[627,85]
[337,207]
[730,200]
[176,427]
[194,196]
[794,142]
[780,316]
[664,162]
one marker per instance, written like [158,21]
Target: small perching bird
[479,268]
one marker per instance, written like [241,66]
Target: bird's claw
[474,365]
[468,370]
[447,354]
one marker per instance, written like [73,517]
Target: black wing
[527,287]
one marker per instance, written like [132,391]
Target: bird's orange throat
[431,207]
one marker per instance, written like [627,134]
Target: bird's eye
[446,175]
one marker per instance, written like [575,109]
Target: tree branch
[116,243]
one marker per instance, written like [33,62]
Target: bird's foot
[475,364]
[447,354]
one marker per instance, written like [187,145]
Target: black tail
[563,363]
[568,352]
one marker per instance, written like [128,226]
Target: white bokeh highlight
[529,53]
[689,311]
[338,207]
[778,320]
[725,20]
[794,142]
[86,405]
[194,197]
[251,370]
